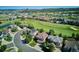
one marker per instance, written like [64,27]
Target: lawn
[32,43]
[58,28]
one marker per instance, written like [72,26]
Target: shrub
[51,32]
[30,26]
[18,23]
[40,30]
[0,42]
[60,35]
[8,38]
[28,38]
[73,35]
[14,29]
[3,48]
[77,37]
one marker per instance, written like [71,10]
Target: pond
[4,25]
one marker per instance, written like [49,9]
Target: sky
[35,7]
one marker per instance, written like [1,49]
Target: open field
[58,28]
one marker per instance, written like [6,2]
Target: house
[71,46]
[6,31]
[13,26]
[33,32]
[43,18]
[26,30]
[12,17]
[56,39]
[41,37]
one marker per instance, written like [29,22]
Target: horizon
[35,7]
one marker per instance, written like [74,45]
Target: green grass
[7,22]
[32,43]
[58,28]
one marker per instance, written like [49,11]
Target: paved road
[23,47]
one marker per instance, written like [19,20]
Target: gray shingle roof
[55,39]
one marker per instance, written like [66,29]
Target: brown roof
[42,36]
[6,31]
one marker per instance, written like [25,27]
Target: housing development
[39,30]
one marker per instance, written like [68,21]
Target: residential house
[43,18]
[24,15]
[5,32]
[71,46]
[55,39]
[13,26]
[12,17]
[41,37]
[26,30]
[33,33]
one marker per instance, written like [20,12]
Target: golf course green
[58,28]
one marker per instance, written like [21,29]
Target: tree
[30,26]
[44,47]
[52,47]
[77,37]
[51,32]
[0,42]
[14,29]
[60,35]
[48,47]
[22,18]
[40,30]
[0,22]
[8,38]
[3,48]
[65,37]
[63,45]
[18,23]
[22,26]
[28,38]
[73,35]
